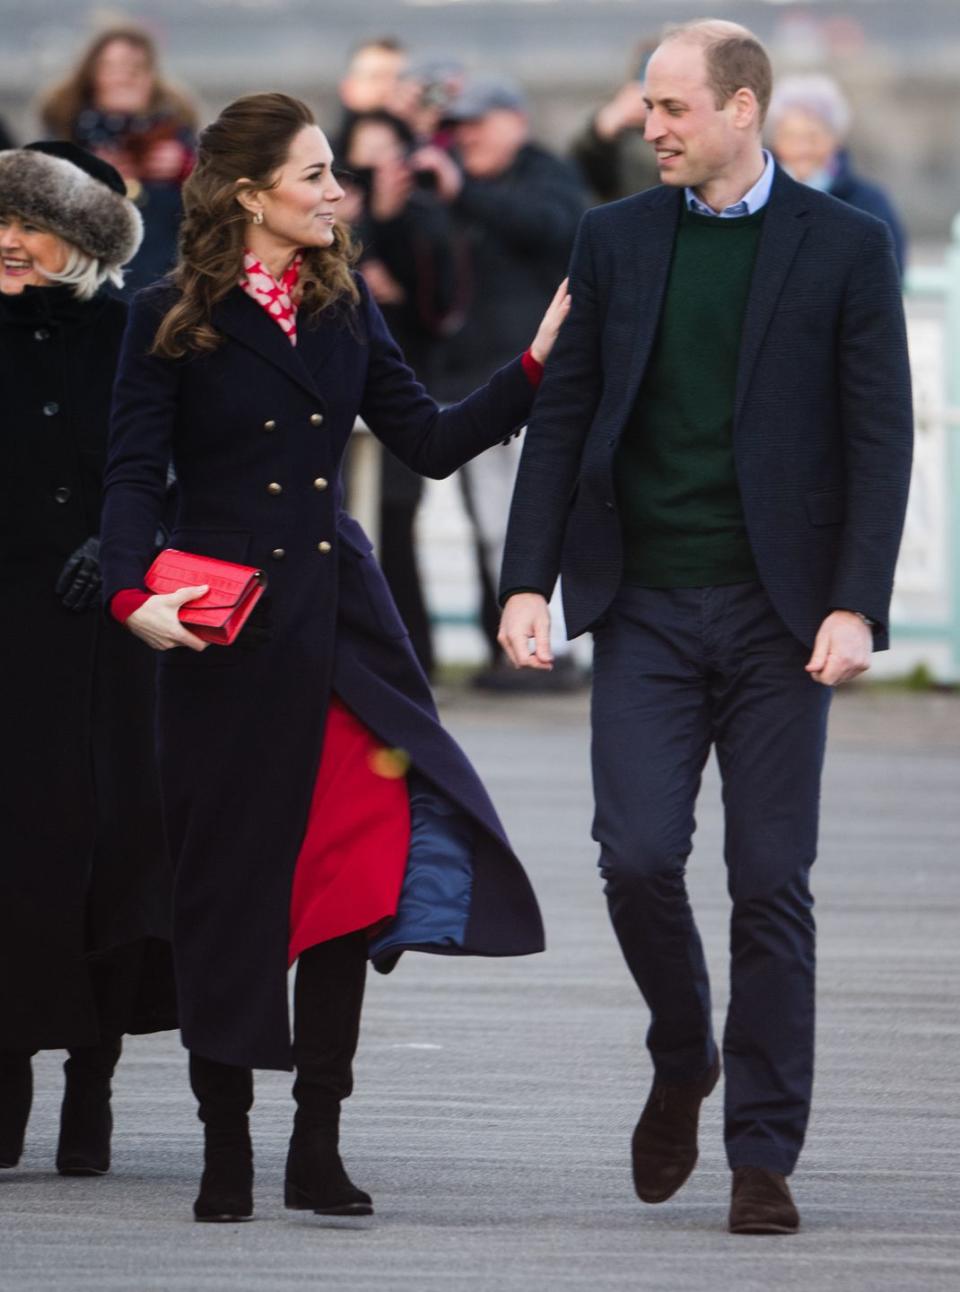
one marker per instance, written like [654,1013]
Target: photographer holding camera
[409,264]
[516,207]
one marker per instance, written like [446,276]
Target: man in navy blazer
[717,465]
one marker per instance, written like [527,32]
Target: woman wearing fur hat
[84,884]
[299,830]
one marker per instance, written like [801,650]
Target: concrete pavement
[495,1099]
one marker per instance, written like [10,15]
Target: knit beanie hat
[81,198]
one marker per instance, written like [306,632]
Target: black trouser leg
[224,1096]
[328,998]
[16,1097]
[86,1122]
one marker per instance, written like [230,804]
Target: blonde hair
[85,274]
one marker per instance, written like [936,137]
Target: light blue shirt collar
[753,201]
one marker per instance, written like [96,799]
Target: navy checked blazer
[822,425]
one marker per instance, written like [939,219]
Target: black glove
[78,586]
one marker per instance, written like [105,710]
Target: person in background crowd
[611,152]
[317,810]
[516,206]
[375,81]
[717,466]
[428,90]
[84,879]
[807,126]
[116,104]
[6,139]
[408,261]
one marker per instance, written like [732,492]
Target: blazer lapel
[242,319]
[784,228]
[642,277]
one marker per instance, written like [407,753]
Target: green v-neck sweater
[677,492]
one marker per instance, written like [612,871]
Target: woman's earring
[258,217]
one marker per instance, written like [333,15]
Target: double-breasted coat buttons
[51,408]
[278,553]
[62,494]
[324,547]
[274,488]
[270,425]
[319,484]
[316,419]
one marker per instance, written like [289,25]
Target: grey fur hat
[75,195]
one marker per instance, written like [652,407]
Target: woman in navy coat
[248,372]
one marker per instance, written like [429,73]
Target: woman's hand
[157,622]
[550,324]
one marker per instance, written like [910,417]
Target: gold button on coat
[270,426]
[278,553]
[316,419]
[324,547]
[274,488]
[320,484]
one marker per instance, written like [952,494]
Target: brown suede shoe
[664,1146]
[761,1203]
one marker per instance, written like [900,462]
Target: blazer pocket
[825,507]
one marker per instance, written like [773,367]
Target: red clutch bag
[222,611]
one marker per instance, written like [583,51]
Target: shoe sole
[83,1170]
[295,1199]
[347,1209]
[226,1219]
[765,1229]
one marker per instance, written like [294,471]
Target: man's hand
[448,173]
[157,621]
[526,617]
[625,110]
[392,186]
[842,649]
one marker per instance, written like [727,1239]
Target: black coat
[83,867]
[822,429]
[517,230]
[241,728]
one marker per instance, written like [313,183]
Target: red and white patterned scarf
[275,297]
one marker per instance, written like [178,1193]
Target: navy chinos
[676,672]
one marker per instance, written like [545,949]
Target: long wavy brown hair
[248,142]
[60,108]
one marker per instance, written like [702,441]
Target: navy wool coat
[822,427]
[256,430]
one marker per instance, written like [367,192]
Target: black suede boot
[16,1096]
[225,1096]
[327,1001]
[86,1122]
